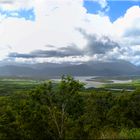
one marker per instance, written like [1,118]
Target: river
[91,83]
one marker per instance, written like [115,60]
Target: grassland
[135,84]
[119,82]
[11,85]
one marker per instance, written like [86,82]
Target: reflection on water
[121,81]
[90,82]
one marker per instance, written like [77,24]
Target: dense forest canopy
[68,111]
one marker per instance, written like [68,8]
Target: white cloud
[128,28]
[131,19]
[16,4]
[56,24]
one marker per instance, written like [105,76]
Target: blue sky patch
[92,7]
[22,13]
[116,8]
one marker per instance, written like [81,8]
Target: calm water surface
[89,83]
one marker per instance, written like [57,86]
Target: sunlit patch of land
[11,85]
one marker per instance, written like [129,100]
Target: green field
[8,85]
[126,82]
[11,85]
[135,84]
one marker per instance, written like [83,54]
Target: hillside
[86,69]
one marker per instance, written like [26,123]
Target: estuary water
[91,83]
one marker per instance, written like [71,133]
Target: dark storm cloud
[20,55]
[98,45]
[69,51]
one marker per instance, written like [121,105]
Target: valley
[10,85]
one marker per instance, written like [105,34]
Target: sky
[69,31]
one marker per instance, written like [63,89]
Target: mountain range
[43,70]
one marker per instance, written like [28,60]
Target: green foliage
[16,85]
[130,134]
[66,111]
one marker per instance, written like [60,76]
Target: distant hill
[86,69]
[114,68]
